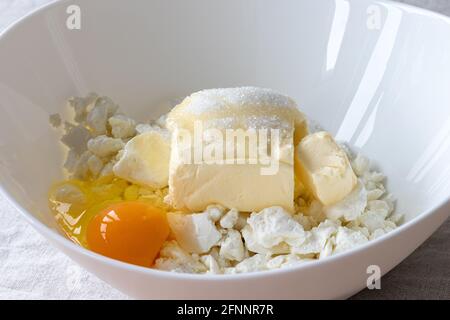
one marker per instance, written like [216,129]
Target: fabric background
[30,268]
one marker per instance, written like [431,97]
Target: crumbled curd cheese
[317,238]
[173,258]
[272,230]
[347,239]
[230,219]
[104,146]
[196,233]
[218,240]
[274,238]
[232,246]
[351,207]
[122,126]
[76,139]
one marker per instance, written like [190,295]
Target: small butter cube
[196,233]
[324,168]
[145,159]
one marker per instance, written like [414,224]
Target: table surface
[32,269]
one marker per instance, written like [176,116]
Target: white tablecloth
[30,268]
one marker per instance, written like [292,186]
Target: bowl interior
[376,74]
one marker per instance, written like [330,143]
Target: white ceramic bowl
[374,73]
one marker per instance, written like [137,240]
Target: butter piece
[193,185]
[145,159]
[324,168]
[196,233]
[233,186]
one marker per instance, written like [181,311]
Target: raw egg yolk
[130,231]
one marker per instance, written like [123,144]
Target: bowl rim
[62,241]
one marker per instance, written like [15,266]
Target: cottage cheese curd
[274,237]
[224,219]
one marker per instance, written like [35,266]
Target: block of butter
[258,173]
[145,159]
[324,168]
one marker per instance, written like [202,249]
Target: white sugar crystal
[215,99]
